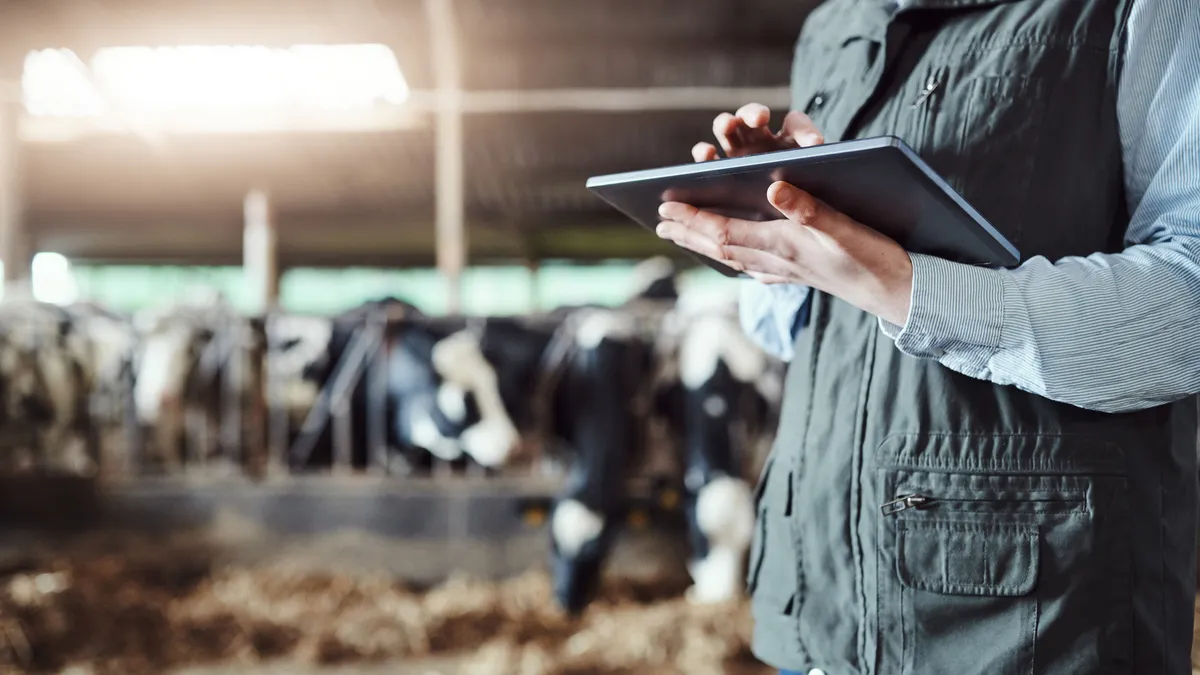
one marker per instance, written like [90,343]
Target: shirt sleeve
[1108,332]
[771,315]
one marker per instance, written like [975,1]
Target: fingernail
[664,210]
[784,194]
[662,230]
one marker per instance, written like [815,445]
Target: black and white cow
[720,397]
[450,384]
[298,361]
[43,394]
[174,401]
[715,392]
[462,390]
[599,421]
[473,390]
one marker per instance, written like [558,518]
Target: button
[818,101]
[816,671]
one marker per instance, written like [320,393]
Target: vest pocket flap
[967,559]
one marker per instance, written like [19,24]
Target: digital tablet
[879,182]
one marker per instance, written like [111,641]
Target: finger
[800,128]
[736,138]
[774,236]
[725,128]
[696,242]
[704,152]
[754,115]
[743,259]
[759,264]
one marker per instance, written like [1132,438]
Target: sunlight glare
[162,82]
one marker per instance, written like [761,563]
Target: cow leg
[580,537]
[716,366]
[167,439]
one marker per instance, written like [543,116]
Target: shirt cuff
[771,314]
[951,304]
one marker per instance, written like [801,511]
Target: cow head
[463,369]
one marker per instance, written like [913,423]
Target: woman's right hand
[748,132]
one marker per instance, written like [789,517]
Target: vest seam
[1000,46]
[818,328]
[856,487]
[998,434]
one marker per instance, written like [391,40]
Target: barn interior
[317,356]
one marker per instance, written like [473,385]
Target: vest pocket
[984,573]
[967,559]
[773,580]
[965,600]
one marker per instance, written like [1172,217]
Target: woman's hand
[812,245]
[748,133]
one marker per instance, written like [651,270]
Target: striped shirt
[1108,332]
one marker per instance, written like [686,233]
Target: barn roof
[556,90]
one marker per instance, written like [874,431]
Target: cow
[719,401]
[714,391]
[450,385]
[176,399]
[600,413]
[579,381]
[63,380]
[105,356]
[465,386]
[42,390]
[598,419]
[298,361]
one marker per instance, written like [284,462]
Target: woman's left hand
[813,245]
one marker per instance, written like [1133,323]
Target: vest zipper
[920,501]
[906,502]
[931,86]
[925,107]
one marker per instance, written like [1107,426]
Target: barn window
[52,280]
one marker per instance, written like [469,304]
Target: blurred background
[316,355]
[136,131]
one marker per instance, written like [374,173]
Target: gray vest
[1043,538]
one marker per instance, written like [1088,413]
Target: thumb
[796,205]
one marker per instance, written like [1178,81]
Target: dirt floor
[133,615]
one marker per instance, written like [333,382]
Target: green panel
[498,290]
